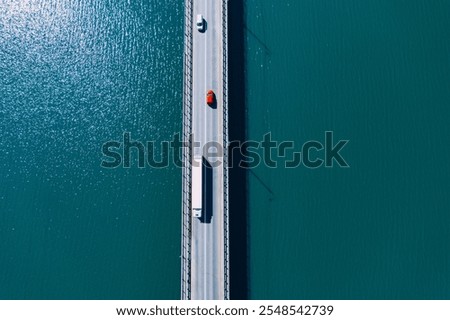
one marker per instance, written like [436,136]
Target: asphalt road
[207,251]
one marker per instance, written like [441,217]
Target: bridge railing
[186,170]
[225,147]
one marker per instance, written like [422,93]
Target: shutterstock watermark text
[327,152]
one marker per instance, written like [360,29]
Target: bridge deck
[205,240]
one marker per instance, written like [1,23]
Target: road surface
[207,251]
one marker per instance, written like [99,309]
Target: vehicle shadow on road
[207,192]
[238,177]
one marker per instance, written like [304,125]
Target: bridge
[205,239]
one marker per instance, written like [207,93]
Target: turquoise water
[376,73]
[73,76]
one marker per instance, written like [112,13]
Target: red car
[210,97]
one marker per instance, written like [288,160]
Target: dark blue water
[378,74]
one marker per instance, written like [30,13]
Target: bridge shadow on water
[238,177]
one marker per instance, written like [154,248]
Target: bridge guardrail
[225,146]
[186,170]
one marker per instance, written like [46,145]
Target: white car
[200,23]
